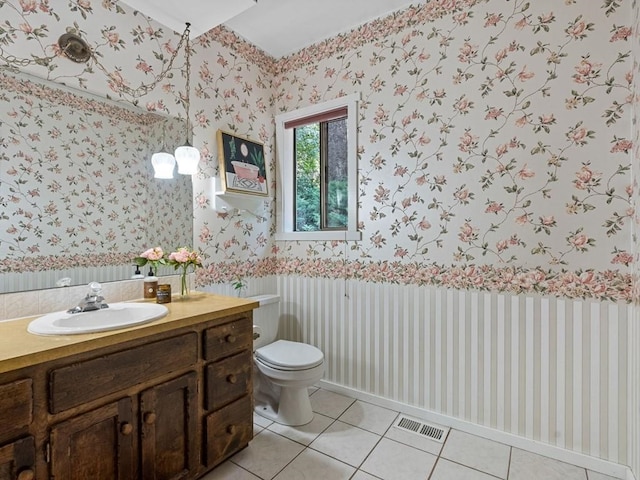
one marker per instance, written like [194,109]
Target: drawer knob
[150,418]
[26,474]
[232,378]
[231,429]
[126,428]
[230,338]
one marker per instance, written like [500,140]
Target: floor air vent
[420,428]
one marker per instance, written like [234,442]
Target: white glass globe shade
[163,164]
[187,158]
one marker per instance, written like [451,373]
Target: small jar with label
[163,293]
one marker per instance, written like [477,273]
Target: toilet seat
[287,355]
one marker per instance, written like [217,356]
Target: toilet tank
[266,319]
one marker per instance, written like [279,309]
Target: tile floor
[351,439]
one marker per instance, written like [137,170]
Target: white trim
[323,235]
[574,458]
[284,147]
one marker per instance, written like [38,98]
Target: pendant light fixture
[187,156]
[163,165]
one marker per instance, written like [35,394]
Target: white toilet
[283,369]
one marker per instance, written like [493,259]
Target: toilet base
[294,407]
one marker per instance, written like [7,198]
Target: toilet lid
[290,355]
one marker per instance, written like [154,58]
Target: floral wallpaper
[77,186]
[494,144]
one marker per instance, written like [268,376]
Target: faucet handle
[95,288]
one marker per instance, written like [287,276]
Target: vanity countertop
[19,348]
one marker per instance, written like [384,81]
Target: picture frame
[242,165]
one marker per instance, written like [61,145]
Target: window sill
[339,235]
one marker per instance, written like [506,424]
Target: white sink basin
[118,315]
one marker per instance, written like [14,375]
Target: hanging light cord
[12,62]
[145,89]
[188,89]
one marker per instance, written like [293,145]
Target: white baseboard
[575,458]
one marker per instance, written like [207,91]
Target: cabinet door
[97,445]
[169,419]
[17,460]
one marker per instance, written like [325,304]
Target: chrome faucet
[92,301]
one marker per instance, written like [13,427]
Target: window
[317,151]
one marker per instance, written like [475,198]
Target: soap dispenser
[137,273]
[150,285]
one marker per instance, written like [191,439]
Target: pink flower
[467,52]
[185,256]
[547,119]
[621,33]
[467,142]
[25,28]
[424,224]
[579,240]
[467,233]
[577,30]
[526,172]
[623,258]
[520,24]
[622,145]
[400,252]
[501,149]
[492,19]
[494,207]
[548,221]
[579,134]
[523,76]
[462,195]
[462,105]
[28,6]
[493,113]
[153,254]
[113,38]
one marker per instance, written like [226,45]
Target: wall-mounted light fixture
[77,49]
[187,156]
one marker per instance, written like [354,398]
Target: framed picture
[242,167]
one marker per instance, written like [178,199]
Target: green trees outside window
[321,196]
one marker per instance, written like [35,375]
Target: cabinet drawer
[16,406]
[89,380]
[228,379]
[227,339]
[228,430]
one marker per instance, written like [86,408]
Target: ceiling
[279,27]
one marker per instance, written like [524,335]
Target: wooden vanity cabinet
[167,406]
[17,448]
[98,444]
[228,395]
[168,440]
[17,460]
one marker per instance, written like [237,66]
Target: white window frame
[284,146]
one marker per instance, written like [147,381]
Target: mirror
[77,193]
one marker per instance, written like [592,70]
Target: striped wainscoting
[634,410]
[547,369]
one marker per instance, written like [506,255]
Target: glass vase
[184,284]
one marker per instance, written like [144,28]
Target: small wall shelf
[225,201]
[228,201]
